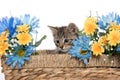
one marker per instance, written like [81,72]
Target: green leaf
[40,41]
[101,33]
[80,33]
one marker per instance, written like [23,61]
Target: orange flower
[114,37]
[90,25]
[97,49]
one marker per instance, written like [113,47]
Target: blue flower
[32,22]
[118,49]
[21,54]
[3,25]
[81,49]
[9,24]
[105,21]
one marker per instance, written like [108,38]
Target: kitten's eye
[66,40]
[57,41]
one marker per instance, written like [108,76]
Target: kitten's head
[63,36]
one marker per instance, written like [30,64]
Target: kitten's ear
[72,28]
[53,29]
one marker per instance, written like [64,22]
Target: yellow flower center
[84,52]
[21,53]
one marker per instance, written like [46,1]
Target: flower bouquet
[16,39]
[97,44]
[100,35]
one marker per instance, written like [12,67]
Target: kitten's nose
[61,47]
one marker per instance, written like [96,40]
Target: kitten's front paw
[62,52]
[57,52]
[53,52]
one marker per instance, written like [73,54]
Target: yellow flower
[97,49]
[103,40]
[23,28]
[114,37]
[4,36]
[3,48]
[114,26]
[90,25]
[24,38]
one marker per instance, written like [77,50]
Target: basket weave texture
[46,59]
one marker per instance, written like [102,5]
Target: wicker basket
[46,59]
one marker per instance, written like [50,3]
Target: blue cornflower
[32,22]
[105,21]
[118,49]
[3,24]
[9,24]
[81,49]
[21,54]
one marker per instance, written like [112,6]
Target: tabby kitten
[63,36]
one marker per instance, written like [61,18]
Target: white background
[57,13]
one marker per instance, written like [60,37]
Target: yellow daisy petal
[114,37]
[103,40]
[23,28]
[4,36]
[3,48]
[24,38]
[97,49]
[114,26]
[90,25]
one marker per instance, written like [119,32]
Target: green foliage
[40,41]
